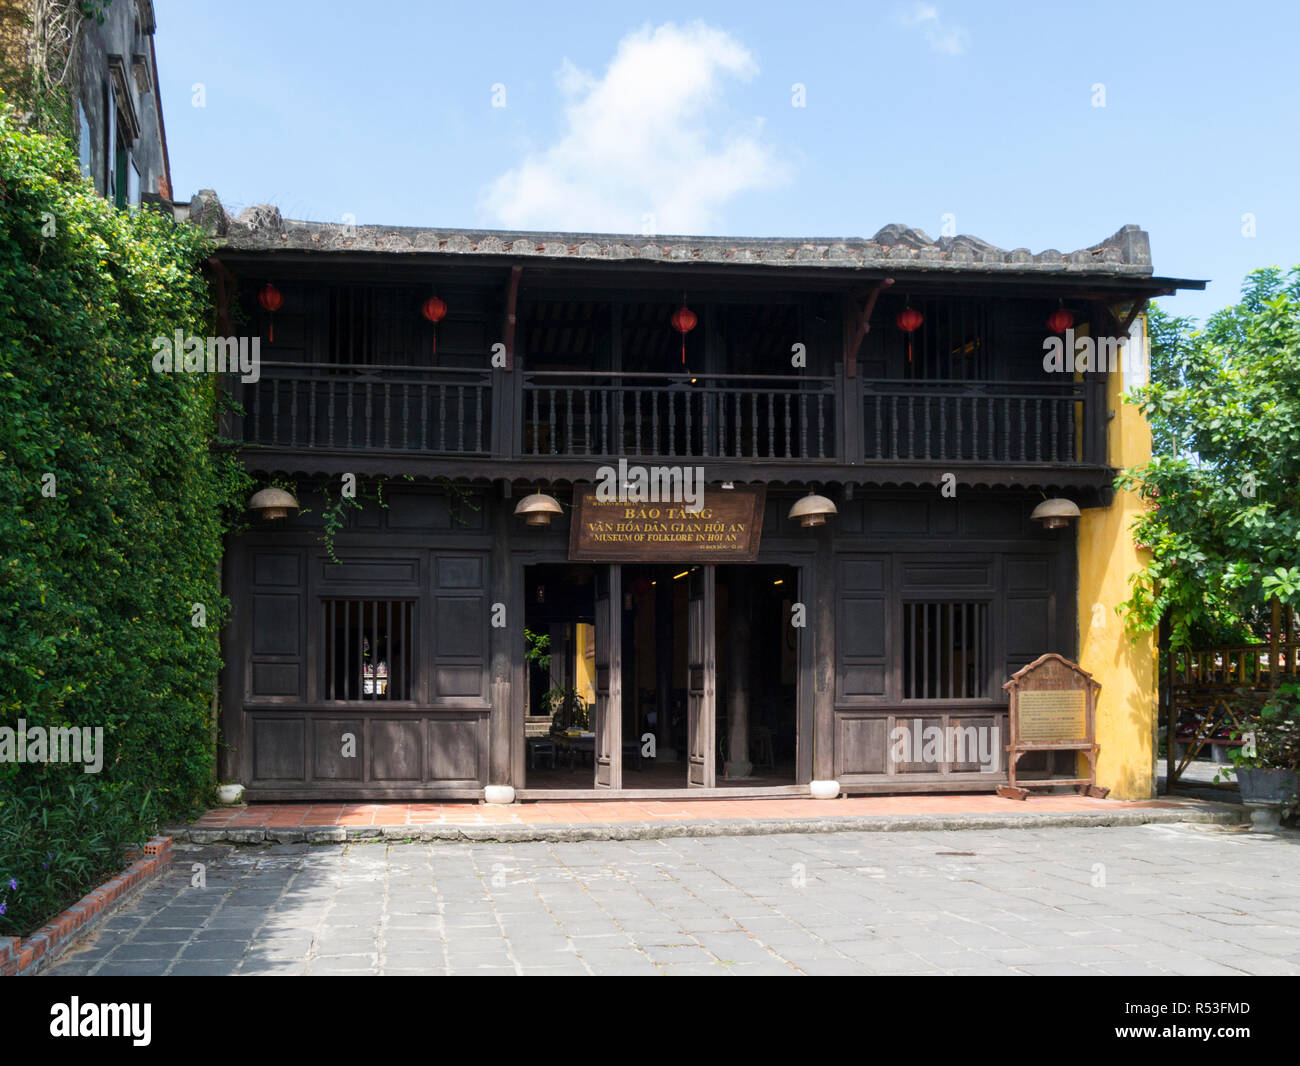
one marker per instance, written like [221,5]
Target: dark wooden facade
[432,575]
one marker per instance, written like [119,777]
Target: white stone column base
[1265,819]
[824,790]
[499,794]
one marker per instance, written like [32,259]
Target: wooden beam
[512,301]
[1138,307]
[862,327]
[225,283]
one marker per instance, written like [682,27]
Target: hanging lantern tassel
[271,300]
[684,321]
[434,310]
[909,321]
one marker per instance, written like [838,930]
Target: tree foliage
[1224,480]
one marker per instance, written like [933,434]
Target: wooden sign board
[1053,708]
[725,529]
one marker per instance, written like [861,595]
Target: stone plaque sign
[725,529]
[1054,717]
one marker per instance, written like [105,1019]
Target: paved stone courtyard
[1156,899]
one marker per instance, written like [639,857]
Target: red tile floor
[292,815]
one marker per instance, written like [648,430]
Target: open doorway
[701,699]
[758,670]
[559,649]
[751,698]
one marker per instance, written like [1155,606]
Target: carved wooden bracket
[862,326]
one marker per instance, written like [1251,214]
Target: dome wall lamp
[538,509]
[272,502]
[1056,513]
[811,510]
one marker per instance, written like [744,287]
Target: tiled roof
[261,228]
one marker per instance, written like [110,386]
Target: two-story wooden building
[482,389]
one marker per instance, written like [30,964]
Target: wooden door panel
[607,717]
[701,677]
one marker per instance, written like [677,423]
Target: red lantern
[641,586]
[434,310]
[271,300]
[1060,320]
[684,321]
[909,320]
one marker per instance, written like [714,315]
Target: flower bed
[27,956]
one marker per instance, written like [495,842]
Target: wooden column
[505,726]
[821,613]
[849,437]
[739,612]
[664,750]
[235,644]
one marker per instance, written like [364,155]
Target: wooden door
[607,716]
[701,677]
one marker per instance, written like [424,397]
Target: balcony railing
[557,415]
[733,416]
[370,408]
[971,421]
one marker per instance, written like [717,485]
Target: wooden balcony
[799,422]
[369,409]
[972,421]
[689,416]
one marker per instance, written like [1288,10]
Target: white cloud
[646,139]
[941,36]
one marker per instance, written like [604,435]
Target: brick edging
[24,957]
[515,832]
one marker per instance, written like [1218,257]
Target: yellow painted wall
[1126,670]
[584,638]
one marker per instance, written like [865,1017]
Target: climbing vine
[114,492]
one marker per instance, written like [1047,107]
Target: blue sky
[673,118]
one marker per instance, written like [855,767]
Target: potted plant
[568,709]
[1267,764]
[230,793]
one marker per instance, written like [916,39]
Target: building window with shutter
[945,650]
[368,649]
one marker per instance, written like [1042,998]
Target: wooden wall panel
[396,750]
[861,744]
[459,644]
[276,640]
[862,637]
[355,576]
[458,750]
[279,749]
[913,763]
[275,624]
[1031,619]
[275,679]
[329,742]
[276,569]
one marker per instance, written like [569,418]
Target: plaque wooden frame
[747,502]
[1051,674]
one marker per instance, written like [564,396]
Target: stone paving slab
[656,819]
[1159,899]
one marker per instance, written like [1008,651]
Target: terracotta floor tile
[587,812]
